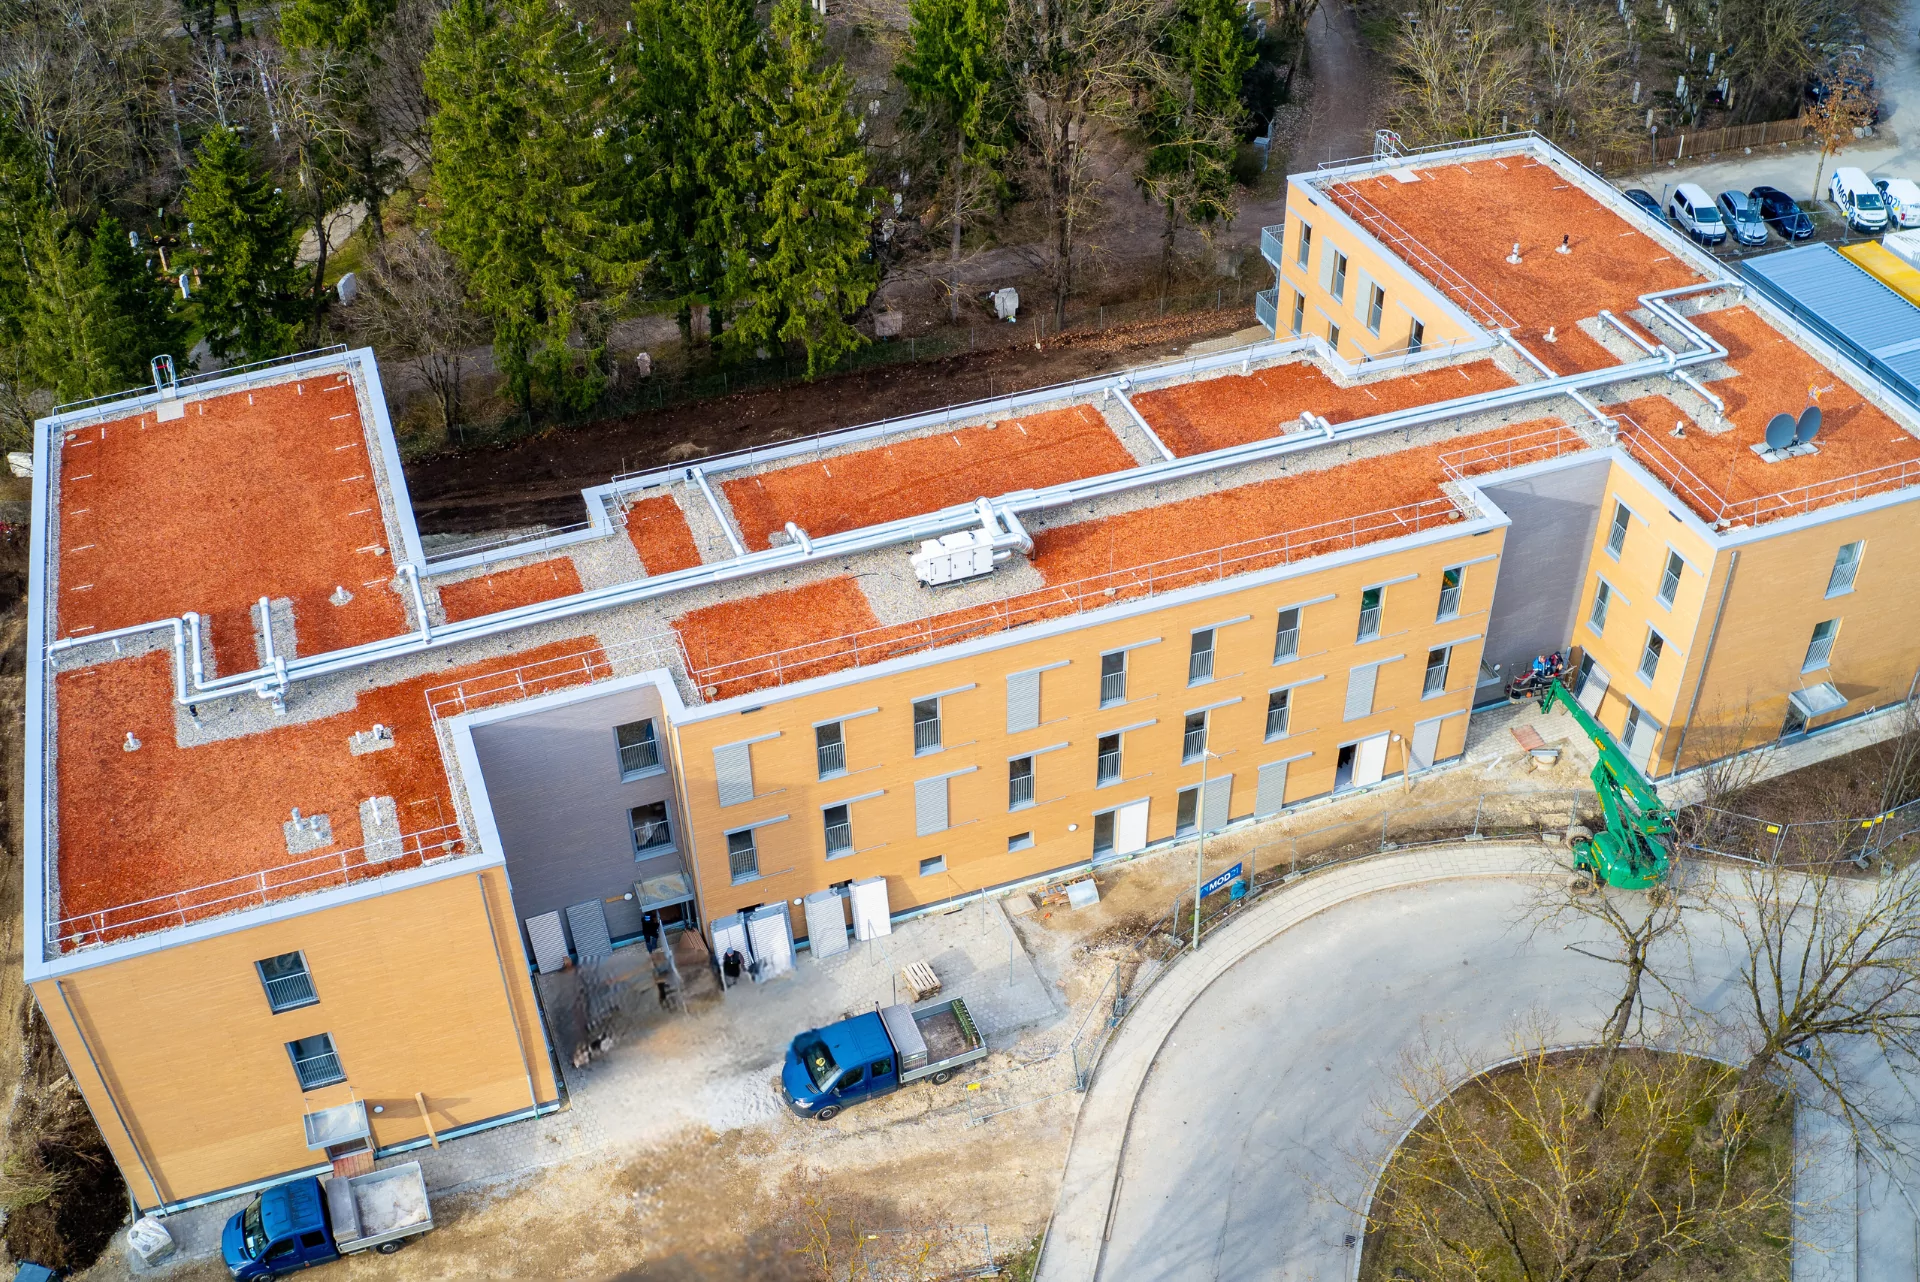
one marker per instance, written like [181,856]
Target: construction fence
[1698,144]
[1891,836]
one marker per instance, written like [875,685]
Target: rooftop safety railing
[1518,448]
[331,870]
[1470,297]
[209,376]
[1758,509]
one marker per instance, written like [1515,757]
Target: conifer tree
[1192,120]
[76,340]
[530,187]
[22,197]
[803,268]
[695,61]
[142,300]
[249,293]
[958,94]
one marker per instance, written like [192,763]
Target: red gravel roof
[268,492]
[658,530]
[1214,413]
[199,829]
[1469,216]
[506,589]
[925,474]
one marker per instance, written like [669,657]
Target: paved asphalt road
[1261,1113]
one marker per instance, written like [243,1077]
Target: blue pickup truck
[305,1222]
[876,1054]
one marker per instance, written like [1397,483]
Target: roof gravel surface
[660,535]
[267,492]
[505,589]
[925,474]
[1470,215]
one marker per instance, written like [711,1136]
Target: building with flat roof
[304,791]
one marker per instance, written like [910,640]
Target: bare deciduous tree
[1458,73]
[413,312]
[1845,105]
[1505,1176]
[1581,72]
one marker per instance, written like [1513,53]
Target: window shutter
[588,922]
[1362,294]
[929,806]
[1360,691]
[1213,801]
[733,769]
[1271,794]
[1023,701]
[1326,268]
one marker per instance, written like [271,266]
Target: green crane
[1632,852]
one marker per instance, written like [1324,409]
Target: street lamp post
[1200,848]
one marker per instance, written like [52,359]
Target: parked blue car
[1781,213]
[1645,200]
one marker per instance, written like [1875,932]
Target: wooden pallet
[919,980]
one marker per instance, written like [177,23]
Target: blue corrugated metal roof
[1858,313]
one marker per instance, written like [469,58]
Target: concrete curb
[1076,1236]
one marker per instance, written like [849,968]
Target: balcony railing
[1817,654]
[1277,721]
[320,1070]
[1192,744]
[635,757]
[1113,687]
[1369,623]
[1436,682]
[1106,768]
[1199,666]
[1273,244]
[284,992]
[833,759]
[652,833]
[1286,644]
[1449,602]
[1842,577]
[926,735]
[1266,309]
[839,839]
[1019,791]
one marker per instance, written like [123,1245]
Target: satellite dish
[1809,426]
[1780,431]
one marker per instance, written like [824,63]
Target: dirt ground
[539,480]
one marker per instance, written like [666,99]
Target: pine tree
[803,268]
[958,93]
[533,166]
[143,301]
[22,198]
[346,25]
[75,338]
[249,293]
[695,62]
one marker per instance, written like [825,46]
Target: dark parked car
[1646,201]
[1860,83]
[1781,213]
[1743,216]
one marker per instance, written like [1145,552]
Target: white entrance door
[1369,760]
[1130,827]
[1595,687]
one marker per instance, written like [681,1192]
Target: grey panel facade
[1543,570]
[554,780]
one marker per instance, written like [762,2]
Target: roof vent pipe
[799,536]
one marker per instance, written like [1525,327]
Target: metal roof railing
[208,376]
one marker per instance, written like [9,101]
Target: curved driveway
[1249,1082]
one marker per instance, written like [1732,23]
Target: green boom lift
[1633,851]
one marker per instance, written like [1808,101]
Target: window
[1306,245]
[1631,726]
[1370,614]
[1796,722]
[1376,307]
[289,986]
[1107,761]
[743,861]
[1436,679]
[1617,535]
[1333,336]
[1286,636]
[1200,660]
[1846,564]
[1337,281]
[1670,577]
[1193,741]
[1449,593]
[1186,811]
[1416,338]
[1279,709]
[1597,617]
[639,750]
[1019,783]
[839,826]
[1820,648]
[928,867]
[314,1061]
[830,748]
[651,830]
[1019,841]
[926,726]
[1650,657]
[1103,833]
[1113,678]
[1299,312]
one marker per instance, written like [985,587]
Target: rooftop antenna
[164,381]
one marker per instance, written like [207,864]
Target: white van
[1859,200]
[1903,200]
[1694,211]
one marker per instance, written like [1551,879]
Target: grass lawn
[1519,1138]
